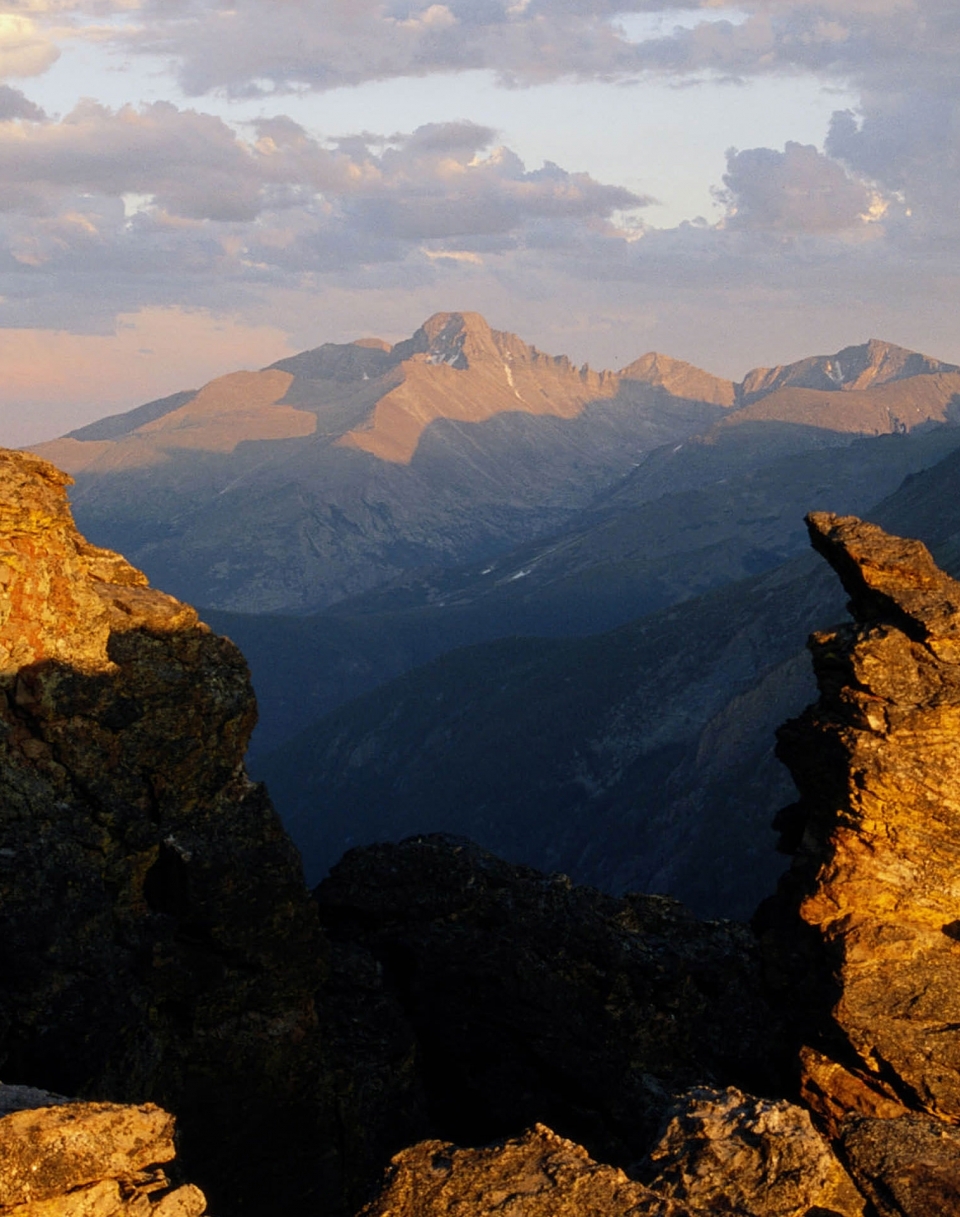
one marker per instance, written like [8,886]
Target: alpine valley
[485,592]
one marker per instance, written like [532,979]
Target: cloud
[324,44]
[108,210]
[13,104]
[910,142]
[798,190]
[24,49]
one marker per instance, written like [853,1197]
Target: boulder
[534,1000]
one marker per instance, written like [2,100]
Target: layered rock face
[862,938]
[877,867]
[156,940]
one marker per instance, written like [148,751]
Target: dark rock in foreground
[157,943]
[156,940]
[533,1000]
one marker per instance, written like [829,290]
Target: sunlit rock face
[873,958]
[156,940]
[61,1158]
[722,1153]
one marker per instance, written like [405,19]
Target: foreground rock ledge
[88,1160]
[876,838]
[723,1152]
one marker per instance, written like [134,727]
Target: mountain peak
[866,366]
[680,379]
[457,339]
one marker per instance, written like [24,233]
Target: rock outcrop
[157,946]
[722,1154]
[67,1159]
[861,939]
[156,939]
[536,1001]
[877,851]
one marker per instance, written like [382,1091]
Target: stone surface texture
[907,1167]
[156,939]
[536,1175]
[724,1152]
[89,1160]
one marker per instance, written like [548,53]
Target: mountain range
[339,469]
[484,591]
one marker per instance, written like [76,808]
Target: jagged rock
[534,1000]
[874,951]
[536,1175]
[724,1152]
[90,1160]
[833,1092]
[156,940]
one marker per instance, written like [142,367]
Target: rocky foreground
[498,1040]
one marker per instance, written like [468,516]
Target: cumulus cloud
[13,104]
[109,210]
[159,205]
[798,190]
[24,49]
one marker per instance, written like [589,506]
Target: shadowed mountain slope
[637,759]
[620,558]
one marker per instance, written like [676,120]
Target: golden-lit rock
[536,1175]
[876,836]
[724,1152]
[89,1160]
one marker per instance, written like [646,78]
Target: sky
[189,187]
